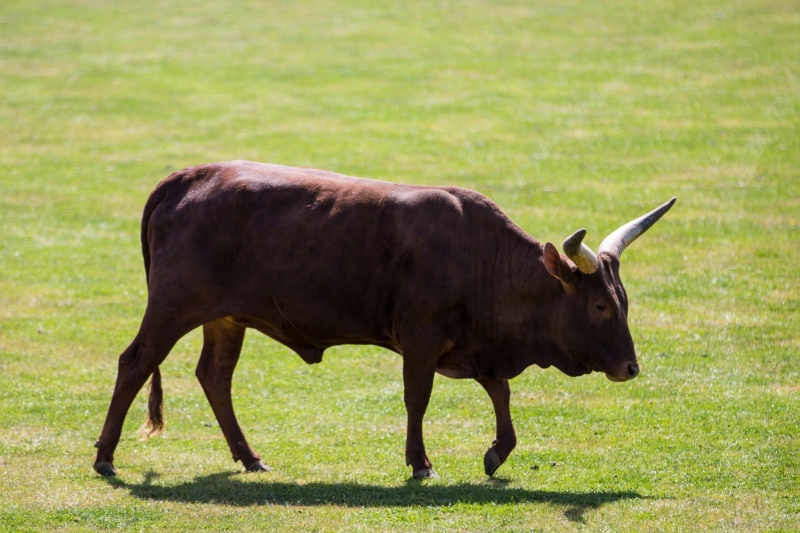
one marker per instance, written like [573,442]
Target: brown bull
[315,259]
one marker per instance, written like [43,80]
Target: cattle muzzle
[629,371]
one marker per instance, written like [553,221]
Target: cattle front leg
[222,344]
[419,369]
[506,439]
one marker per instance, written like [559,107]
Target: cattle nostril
[633,370]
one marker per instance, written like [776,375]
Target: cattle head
[591,316]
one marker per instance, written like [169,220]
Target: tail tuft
[154,425]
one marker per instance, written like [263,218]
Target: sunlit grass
[568,114]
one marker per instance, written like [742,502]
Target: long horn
[579,253]
[616,243]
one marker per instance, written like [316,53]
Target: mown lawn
[568,114]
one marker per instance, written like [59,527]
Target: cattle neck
[527,310]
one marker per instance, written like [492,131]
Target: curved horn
[617,241]
[579,253]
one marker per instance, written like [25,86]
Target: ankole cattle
[314,259]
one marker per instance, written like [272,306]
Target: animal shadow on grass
[228,488]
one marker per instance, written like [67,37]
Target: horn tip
[580,234]
[666,206]
[573,242]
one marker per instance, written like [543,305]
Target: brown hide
[315,259]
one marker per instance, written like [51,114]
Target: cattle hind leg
[222,344]
[505,439]
[138,362]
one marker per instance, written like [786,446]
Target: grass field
[568,114]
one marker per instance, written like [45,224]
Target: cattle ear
[557,267]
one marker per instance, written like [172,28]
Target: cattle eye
[601,307]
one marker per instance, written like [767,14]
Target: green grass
[568,114]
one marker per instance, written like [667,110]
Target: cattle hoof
[491,462]
[105,469]
[258,466]
[426,473]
